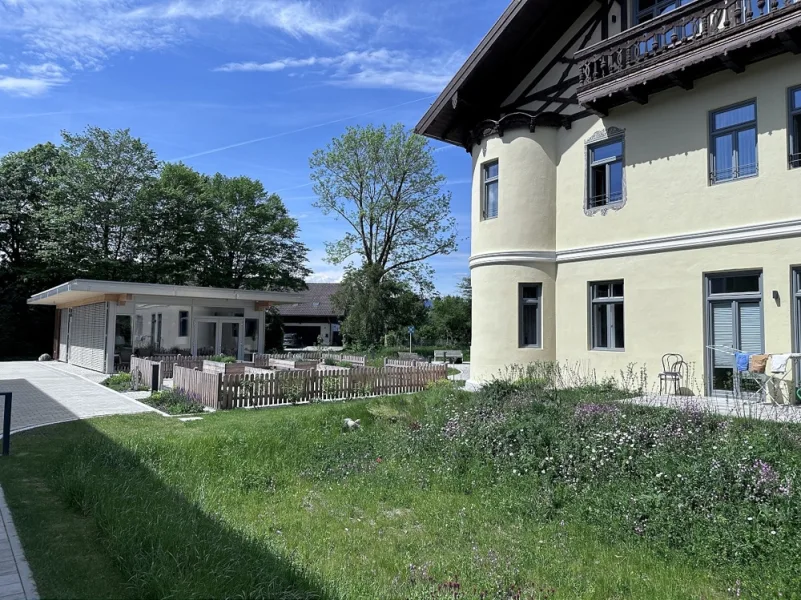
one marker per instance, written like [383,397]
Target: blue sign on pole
[411,329]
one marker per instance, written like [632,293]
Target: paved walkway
[49,393]
[16,582]
[727,407]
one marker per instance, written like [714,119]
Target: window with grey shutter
[723,334]
[751,327]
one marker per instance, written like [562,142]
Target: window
[733,143]
[605,173]
[489,203]
[530,294]
[606,316]
[645,10]
[183,323]
[794,128]
[734,324]
[155,330]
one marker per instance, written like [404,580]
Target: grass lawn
[282,504]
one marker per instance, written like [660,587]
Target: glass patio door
[219,335]
[231,339]
[734,324]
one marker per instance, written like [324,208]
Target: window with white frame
[605,173]
[530,315]
[489,195]
[733,143]
[794,129]
[607,330]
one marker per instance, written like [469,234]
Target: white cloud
[22,86]
[3,67]
[81,34]
[33,80]
[381,68]
[333,276]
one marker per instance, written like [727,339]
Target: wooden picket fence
[142,372]
[169,362]
[198,386]
[356,361]
[403,364]
[281,388]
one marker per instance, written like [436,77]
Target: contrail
[302,129]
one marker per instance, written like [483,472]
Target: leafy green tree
[170,240]
[375,309]
[26,182]
[383,183]
[251,239]
[449,320]
[93,216]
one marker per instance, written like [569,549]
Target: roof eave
[48,297]
[424,125]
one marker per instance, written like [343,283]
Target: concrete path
[49,393]
[16,582]
[728,407]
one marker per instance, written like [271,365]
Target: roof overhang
[523,34]
[81,290]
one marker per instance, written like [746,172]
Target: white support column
[262,330]
[111,335]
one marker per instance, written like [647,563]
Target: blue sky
[241,87]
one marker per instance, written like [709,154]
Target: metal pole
[6,422]
[410,342]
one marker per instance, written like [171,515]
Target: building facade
[316,319]
[636,184]
[99,325]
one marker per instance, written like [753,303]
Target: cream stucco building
[636,183]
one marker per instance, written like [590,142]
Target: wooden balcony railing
[682,31]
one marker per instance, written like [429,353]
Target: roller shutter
[87,341]
[63,335]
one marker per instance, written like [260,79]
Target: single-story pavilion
[100,324]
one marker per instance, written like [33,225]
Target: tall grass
[533,486]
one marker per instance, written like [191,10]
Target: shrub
[174,402]
[121,382]
[222,358]
[687,481]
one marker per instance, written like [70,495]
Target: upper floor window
[605,173]
[795,127]
[733,143]
[645,10]
[489,200]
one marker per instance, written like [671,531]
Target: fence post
[154,377]
[6,422]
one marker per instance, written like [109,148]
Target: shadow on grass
[123,518]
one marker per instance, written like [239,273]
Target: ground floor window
[734,324]
[607,321]
[530,315]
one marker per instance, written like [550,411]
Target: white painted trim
[86,288]
[513,257]
[720,237]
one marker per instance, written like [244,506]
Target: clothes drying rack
[760,381]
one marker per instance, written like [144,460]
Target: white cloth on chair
[778,363]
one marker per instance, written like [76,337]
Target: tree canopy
[383,184]
[101,206]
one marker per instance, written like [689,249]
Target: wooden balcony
[681,46]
